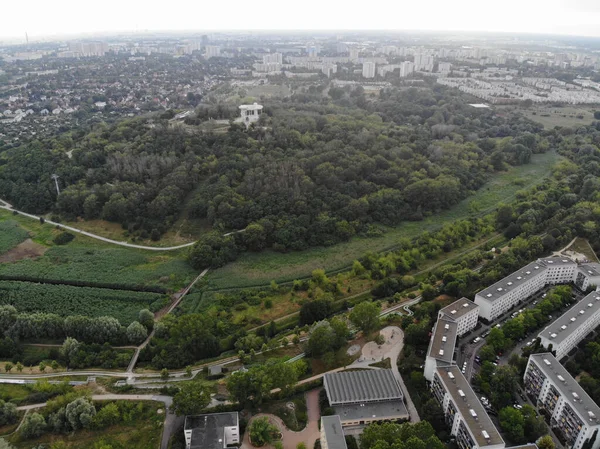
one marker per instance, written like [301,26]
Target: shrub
[63,238]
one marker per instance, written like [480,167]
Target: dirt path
[24,250]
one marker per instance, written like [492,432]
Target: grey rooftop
[459,308]
[332,427]
[569,321]
[208,430]
[351,387]
[574,394]
[443,340]
[475,416]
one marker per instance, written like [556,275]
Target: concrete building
[273,57]
[465,415]
[362,397]
[506,293]
[568,408]
[444,68]
[250,113]
[424,62]
[211,51]
[354,52]
[332,435]
[441,346]
[464,313]
[406,68]
[212,431]
[587,275]
[368,70]
[568,330]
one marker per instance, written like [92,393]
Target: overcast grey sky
[59,17]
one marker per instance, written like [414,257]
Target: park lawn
[254,269]
[142,433]
[551,116]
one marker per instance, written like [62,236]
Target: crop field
[67,300]
[260,268]
[11,234]
[105,265]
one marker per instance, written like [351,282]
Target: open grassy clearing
[582,246]
[95,262]
[551,116]
[143,432]
[259,269]
[13,393]
[11,234]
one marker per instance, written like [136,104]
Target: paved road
[8,207]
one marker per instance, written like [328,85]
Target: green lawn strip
[11,234]
[253,269]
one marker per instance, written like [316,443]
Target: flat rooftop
[332,427]
[382,410]
[371,385]
[512,281]
[591,269]
[569,321]
[467,402]
[459,308]
[443,340]
[208,431]
[576,397]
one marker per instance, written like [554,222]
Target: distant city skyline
[43,19]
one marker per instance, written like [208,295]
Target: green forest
[323,169]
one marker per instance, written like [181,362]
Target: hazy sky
[59,17]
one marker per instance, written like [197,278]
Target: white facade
[211,51]
[273,57]
[587,275]
[424,62]
[250,113]
[444,67]
[406,68]
[505,294]
[567,331]
[571,410]
[463,412]
[464,313]
[368,70]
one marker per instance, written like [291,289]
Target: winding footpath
[7,206]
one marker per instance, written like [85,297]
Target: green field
[96,262]
[551,116]
[11,234]
[253,269]
[66,300]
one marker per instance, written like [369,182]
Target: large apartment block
[568,407]
[464,313]
[568,330]
[465,415]
[587,275]
[441,346]
[506,293]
